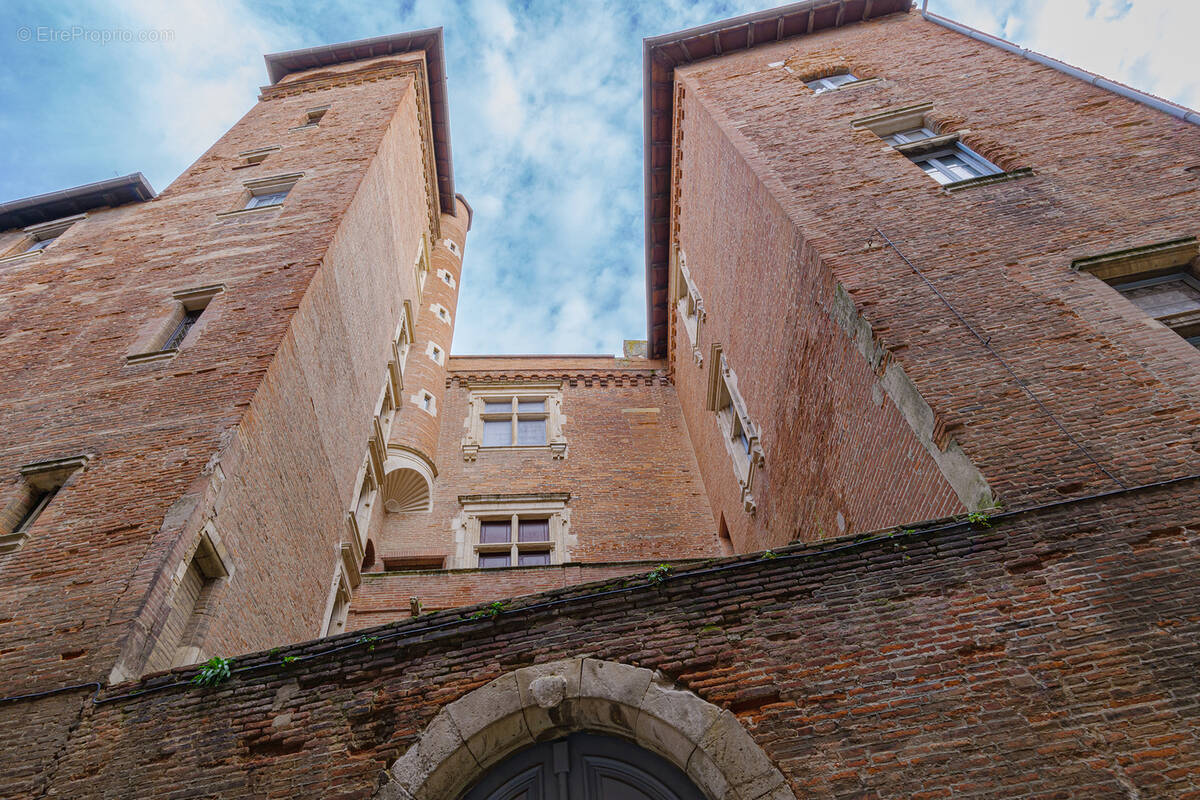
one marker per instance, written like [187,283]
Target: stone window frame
[426,401]
[255,157]
[441,312]
[738,431]
[1138,267]
[48,232]
[436,353]
[210,558]
[476,509]
[825,84]
[452,246]
[482,393]
[447,277]
[401,344]
[337,604]
[152,345]
[312,118]
[421,266]
[888,124]
[266,186]
[689,303]
[38,485]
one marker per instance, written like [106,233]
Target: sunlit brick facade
[898,499]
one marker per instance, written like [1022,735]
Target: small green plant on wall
[213,672]
[659,574]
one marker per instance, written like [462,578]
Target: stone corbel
[558,449]
[470,450]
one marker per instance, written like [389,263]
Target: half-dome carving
[405,489]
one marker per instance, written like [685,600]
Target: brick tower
[900,500]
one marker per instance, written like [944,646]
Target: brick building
[897,500]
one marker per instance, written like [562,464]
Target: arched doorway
[585,766]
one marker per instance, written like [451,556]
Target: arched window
[585,766]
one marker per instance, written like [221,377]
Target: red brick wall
[779,204]
[1047,656]
[385,596]
[267,402]
[635,492]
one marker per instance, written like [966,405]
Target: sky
[545,117]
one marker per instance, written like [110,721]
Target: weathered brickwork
[1046,656]
[773,180]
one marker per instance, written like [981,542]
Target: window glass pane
[497,433]
[531,405]
[932,170]
[272,199]
[494,532]
[959,167]
[489,560]
[533,530]
[840,80]
[41,244]
[531,431]
[1163,299]
[533,559]
[497,407]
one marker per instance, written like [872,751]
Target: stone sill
[20,256]
[154,355]
[987,180]
[237,212]
[850,85]
[636,566]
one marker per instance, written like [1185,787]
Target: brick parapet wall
[1047,655]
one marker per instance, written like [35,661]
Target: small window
[266,199]
[313,116]
[828,84]
[190,316]
[1172,298]
[40,484]
[41,236]
[954,164]
[266,192]
[691,307]
[909,136]
[252,158]
[180,639]
[435,353]
[339,606]
[189,307]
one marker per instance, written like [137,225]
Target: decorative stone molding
[479,507]
[407,482]
[483,393]
[548,701]
[1135,261]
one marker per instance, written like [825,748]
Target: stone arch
[547,701]
[407,482]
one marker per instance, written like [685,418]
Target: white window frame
[831,83]
[514,394]
[477,509]
[446,277]
[969,157]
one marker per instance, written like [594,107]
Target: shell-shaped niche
[405,490]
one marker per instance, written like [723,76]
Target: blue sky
[545,117]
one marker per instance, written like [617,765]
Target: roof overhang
[279,65]
[660,56]
[68,202]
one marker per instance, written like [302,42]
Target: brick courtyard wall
[1050,655]
[778,207]
[635,491]
[267,401]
